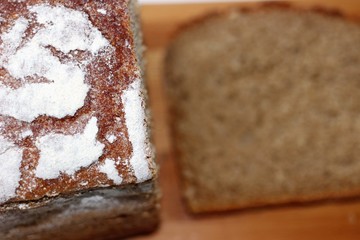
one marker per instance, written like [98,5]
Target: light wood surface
[321,221]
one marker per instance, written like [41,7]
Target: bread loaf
[265,107]
[75,156]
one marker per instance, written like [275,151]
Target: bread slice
[266,107]
[75,156]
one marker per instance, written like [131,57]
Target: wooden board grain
[321,221]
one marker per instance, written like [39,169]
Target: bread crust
[101,214]
[253,7]
[91,203]
[107,79]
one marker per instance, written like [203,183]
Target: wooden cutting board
[321,221]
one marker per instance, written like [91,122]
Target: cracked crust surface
[108,75]
[89,203]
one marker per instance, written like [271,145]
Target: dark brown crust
[102,102]
[174,115]
[316,198]
[134,210]
[248,7]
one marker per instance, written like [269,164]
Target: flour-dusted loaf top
[72,104]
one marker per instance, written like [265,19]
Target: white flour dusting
[68,153]
[65,30]
[64,92]
[111,138]
[10,162]
[102,11]
[135,122]
[109,168]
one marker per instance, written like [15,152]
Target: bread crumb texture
[267,107]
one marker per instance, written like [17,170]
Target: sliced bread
[265,107]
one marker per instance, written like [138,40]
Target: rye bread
[265,107]
[76,160]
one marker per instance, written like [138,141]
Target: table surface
[327,220]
